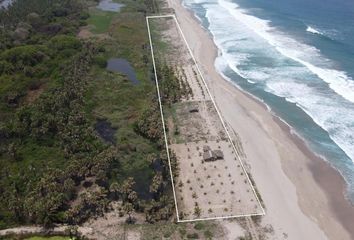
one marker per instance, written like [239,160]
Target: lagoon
[120,65]
[110,6]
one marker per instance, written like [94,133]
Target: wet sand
[303,194]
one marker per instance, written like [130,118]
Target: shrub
[194,195]
[62,42]
[33,18]
[167,235]
[6,67]
[182,231]
[100,61]
[28,55]
[199,226]
[192,236]
[208,234]
[84,15]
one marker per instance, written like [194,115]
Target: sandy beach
[303,195]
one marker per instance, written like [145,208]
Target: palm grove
[50,154]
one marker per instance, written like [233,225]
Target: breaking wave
[276,62]
[313,30]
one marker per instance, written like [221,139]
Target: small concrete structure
[212,155]
[208,156]
[218,154]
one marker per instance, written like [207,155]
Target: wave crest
[285,67]
[313,30]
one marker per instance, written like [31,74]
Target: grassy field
[99,20]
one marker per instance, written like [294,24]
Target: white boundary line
[162,118]
[220,117]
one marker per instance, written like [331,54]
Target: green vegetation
[208,234]
[193,236]
[199,226]
[176,231]
[42,72]
[100,21]
[171,90]
[48,238]
[13,237]
[54,167]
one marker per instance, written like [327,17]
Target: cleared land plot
[192,121]
[212,182]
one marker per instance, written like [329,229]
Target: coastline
[311,189]
[301,143]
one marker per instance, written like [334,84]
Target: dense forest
[54,167]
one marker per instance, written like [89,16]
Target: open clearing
[212,182]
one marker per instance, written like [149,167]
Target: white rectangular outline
[220,117]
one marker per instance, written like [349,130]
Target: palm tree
[114,189]
[151,158]
[197,210]
[128,208]
[156,184]
[126,188]
[69,188]
[12,151]
[133,196]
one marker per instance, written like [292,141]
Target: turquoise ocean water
[298,58]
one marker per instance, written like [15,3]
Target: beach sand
[303,195]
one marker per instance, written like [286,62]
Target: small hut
[208,156]
[218,154]
[212,155]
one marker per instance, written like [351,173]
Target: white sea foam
[302,53]
[326,112]
[330,33]
[285,67]
[313,30]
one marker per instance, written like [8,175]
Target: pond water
[142,183]
[157,165]
[142,188]
[110,6]
[106,131]
[120,65]
[5,3]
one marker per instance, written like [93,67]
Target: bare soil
[204,189]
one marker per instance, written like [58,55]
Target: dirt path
[24,230]
[252,228]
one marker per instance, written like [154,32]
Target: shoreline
[297,138]
[333,206]
[333,184]
[291,130]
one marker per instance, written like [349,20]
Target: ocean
[298,58]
